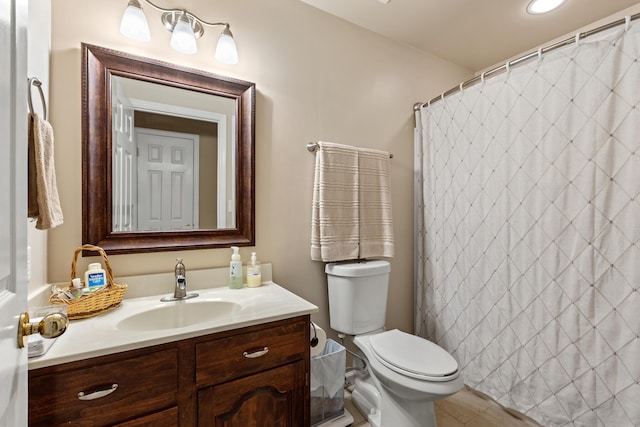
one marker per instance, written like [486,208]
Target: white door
[13,209]
[168,187]
[124,161]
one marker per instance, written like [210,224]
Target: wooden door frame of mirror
[98,64]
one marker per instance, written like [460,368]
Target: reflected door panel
[167,167]
[124,154]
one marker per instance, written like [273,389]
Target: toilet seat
[413,356]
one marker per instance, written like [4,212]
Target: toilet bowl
[402,374]
[408,379]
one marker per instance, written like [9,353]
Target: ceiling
[475,34]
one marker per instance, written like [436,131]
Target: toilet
[403,374]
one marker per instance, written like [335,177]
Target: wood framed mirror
[168,155]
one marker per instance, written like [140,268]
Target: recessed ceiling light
[536,7]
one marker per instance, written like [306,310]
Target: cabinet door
[274,398]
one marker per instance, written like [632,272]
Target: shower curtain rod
[505,66]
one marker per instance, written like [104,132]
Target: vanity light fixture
[185,28]
[537,7]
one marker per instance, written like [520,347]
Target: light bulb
[183,39]
[537,7]
[134,23]
[226,51]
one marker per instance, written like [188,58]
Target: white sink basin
[178,314]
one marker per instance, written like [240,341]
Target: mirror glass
[168,155]
[172,156]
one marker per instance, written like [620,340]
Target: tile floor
[466,408]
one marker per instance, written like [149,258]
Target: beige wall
[317,78]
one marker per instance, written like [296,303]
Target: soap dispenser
[254,276]
[235,269]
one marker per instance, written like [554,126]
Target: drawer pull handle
[97,394]
[256,354]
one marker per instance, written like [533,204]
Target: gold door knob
[51,326]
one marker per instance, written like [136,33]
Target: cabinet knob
[51,326]
[256,354]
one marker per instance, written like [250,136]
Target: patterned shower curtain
[528,225]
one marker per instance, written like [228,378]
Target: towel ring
[34,81]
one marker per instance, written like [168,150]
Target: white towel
[334,218]
[351,209]
[376,226]
[43,200]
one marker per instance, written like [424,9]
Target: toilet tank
[358,295]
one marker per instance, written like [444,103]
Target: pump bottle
[235,270]
[254,276]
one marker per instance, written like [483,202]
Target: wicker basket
[100,301]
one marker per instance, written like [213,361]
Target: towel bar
[313,146]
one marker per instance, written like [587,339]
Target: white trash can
[327,383]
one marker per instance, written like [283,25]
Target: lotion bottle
[235,270]
[95,277]
[254,276]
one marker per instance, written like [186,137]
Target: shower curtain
[528,232]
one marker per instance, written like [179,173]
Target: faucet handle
[180,269]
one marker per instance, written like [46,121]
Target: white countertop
[100,335]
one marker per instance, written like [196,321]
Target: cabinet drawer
[245,353]
[166,418]
[116,390]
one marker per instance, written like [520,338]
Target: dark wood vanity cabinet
[254,379]
[256,376]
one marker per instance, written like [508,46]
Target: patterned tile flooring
[466,408]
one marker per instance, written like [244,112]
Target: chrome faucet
[180,290]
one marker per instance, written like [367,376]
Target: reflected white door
[168,170]
[13,209]
[124,162]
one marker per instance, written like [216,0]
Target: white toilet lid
[413,356]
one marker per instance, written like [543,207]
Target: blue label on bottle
[95,280]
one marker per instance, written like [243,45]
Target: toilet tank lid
[358,269]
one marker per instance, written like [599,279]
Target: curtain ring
[461,83]
[577,39]
[482,77]
[506,66]
[442,96]
[627,22]
[539,53]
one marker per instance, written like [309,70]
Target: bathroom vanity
[249,367]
